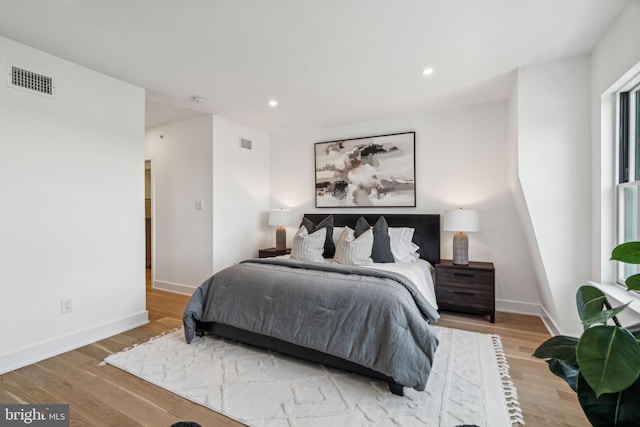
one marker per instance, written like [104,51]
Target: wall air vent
[19,78]
[245,143]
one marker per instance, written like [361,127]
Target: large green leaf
[634,329]
[566,371]
[627,252]
[633,282]
[612,409]
[559,347]
[590,301]
[609,358]
[603,316]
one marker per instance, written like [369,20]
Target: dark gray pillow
[329,246]
[381,251]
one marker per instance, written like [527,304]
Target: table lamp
[461,221]
[280,218]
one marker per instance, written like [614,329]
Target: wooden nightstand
[466,288]
[271,252]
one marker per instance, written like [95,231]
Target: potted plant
[603,365]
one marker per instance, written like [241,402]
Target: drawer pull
[463,274]
[464,293]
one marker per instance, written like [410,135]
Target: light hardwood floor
[106,396]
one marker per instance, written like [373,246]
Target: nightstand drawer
[467,297]
[464,278]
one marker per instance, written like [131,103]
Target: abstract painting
[374,171]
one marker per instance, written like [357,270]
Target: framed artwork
[374,171]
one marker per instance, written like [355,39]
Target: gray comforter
[370,317]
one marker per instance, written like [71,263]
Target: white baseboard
[24,356]
[518,307]
[529,309]
[174,287]
[549,323]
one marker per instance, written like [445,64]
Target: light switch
[199,205]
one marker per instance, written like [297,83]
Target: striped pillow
[329,246]
[308,247]
[354,251]
[381,251]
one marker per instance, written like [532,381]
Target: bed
[370,319]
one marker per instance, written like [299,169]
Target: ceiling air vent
[20,78]
[245,143]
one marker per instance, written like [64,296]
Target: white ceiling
[327,62]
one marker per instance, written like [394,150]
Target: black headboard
[426,235]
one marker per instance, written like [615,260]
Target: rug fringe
[104,362]
[508,387]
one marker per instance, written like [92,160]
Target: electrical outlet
[66,305]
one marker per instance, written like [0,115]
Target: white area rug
[469,384]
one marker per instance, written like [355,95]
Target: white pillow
[337,232]
[308,247]
[352,251]
[402,246]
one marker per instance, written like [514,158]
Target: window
[628,174]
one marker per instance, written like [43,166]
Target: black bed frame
[426,235]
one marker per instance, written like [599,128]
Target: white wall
[181,154]
[554,166]
[71,209]
[548,311]
[462,160]
[241,188]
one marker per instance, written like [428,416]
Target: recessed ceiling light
[273,103]
[198,99]
[428,71]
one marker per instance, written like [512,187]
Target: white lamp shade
[461,220]
[280,217]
